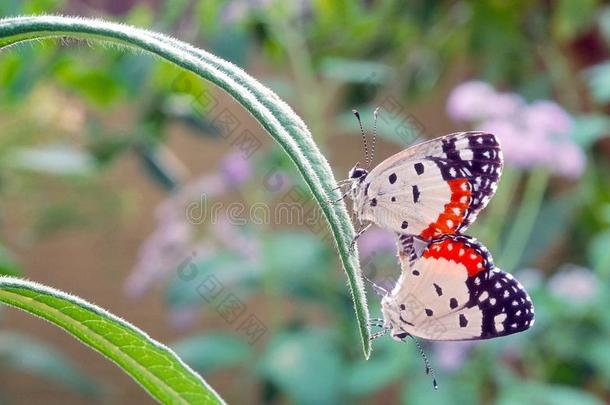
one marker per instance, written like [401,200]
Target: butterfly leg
[342,183]
[376,322]
[332,202]
[358,234]
[378,334]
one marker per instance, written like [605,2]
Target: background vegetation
[109,158]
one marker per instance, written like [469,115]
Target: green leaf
[397,127]
[158,370]
[267,108]
[598,80]
[297,263]
[391,363]
[55,159]
[355,71]
[306,365]
[537,393]
[21,352]
[589,128]
[211,352]
[8,265]
[599,254]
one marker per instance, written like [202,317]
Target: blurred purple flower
[175,237]
[236,241]
[536,134]
[235,169]
[183,318]
[163,249]
[547,117]
[476,100]
[574,283]
[569,161]
[376,241]
[450,355]
[467,100]
[236,10]
[530,278]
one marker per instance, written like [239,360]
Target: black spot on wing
[453,304]
[463,321]
[416,193]
[439,290]
[419,168]
[392,178]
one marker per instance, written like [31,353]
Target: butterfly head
[357,173]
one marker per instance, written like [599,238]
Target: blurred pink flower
[176,235]
[375,241]
[574,283]
[547,117]
[467,101]
[530,278]
[476,100]
[235,169]
[536,134]
[183,318]
[229,234]
[236,10]
[450,356]
[570,161]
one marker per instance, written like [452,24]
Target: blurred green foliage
[325,57]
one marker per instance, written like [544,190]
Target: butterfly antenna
[366,149]
[429,369]
[375,114]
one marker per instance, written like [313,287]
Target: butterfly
[453,291]
[431,189]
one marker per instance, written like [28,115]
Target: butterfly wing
[454,292]
[434,188]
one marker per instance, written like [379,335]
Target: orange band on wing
[455,210]
[458,252]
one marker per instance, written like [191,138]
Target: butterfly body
[454,292]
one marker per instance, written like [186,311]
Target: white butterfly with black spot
[454,292]
[434,188]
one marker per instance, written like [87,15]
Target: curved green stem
[268,109]
[496,214]
[525,218]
